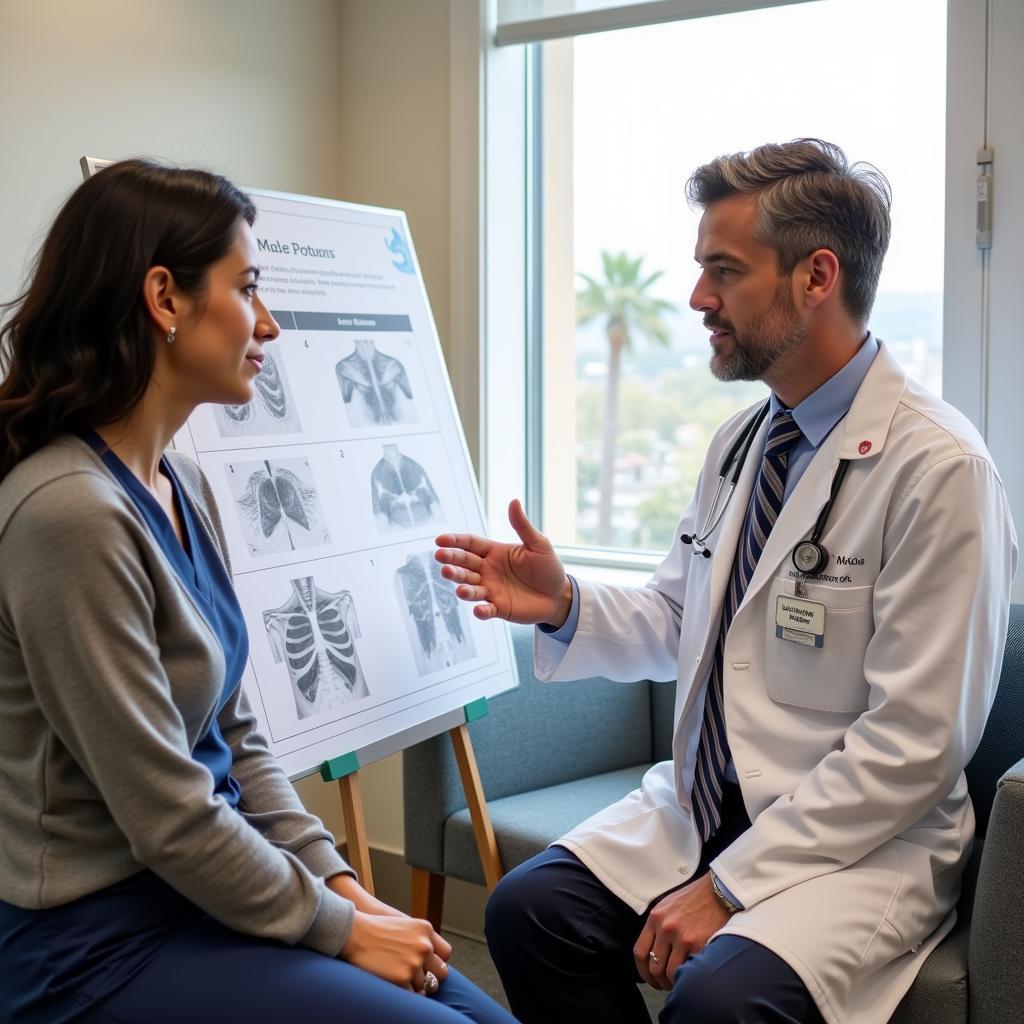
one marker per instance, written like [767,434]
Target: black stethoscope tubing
[734,459]
[809,556]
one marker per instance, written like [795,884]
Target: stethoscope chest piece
[809,558]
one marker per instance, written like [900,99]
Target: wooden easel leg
[427,896]
[482,828]
[355,829]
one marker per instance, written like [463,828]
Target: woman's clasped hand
[403,950]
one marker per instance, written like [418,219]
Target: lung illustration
[433,615]
[314,633]
[401,492]
[278,505]
[374,388]
[272,410]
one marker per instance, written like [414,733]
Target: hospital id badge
[800,621]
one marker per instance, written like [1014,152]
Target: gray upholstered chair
[551,755]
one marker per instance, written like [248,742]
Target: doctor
[834,613]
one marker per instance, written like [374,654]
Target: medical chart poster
[332,484]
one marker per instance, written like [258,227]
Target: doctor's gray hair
[810,197]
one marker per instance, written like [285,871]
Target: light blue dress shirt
[816,416]
[821,410]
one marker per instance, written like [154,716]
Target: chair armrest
[996,963]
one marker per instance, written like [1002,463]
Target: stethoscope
[809,556]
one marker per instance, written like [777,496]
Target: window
[622,118]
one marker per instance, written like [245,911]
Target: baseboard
[463,902]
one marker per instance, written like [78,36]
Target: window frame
[495,314]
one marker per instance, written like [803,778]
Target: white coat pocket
[829,677]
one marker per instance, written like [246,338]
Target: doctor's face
[747,305]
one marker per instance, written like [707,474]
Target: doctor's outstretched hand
[519,582]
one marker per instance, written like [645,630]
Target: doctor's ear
[822,276]
[165,302]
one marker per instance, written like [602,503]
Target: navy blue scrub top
[201,570]
[56,963]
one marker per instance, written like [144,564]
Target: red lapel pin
[864,447]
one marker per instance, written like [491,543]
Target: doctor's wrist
[720,894]
[562,607]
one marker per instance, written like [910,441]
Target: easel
[427,888]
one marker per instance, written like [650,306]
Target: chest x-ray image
[375,388]
[272,410]
[402,493]
[278,505]
[314,634]
[434,616]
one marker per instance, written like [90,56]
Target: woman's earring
[170,335]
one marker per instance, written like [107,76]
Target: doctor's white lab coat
[850,757]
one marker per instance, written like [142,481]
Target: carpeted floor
[472,959]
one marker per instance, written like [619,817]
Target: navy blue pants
[138,952]
[208,974]
[563,945]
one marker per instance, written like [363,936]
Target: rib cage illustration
[278,504]
[269,411]
[378,379]
[314,632]
[270,389]
[239,413]
[402,491]
[433,610]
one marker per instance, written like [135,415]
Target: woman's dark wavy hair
[77,348]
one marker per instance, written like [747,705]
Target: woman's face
[218,351]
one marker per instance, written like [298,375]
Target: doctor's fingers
[459,575]
[660,963]
[679,955]
[468,593]
[469,543]
[458,557]
[644,971]
[642,954]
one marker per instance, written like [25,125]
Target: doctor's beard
[769,336]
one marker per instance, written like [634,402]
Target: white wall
[249,89]
[346,99]
[393,109]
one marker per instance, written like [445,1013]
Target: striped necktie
[765,505]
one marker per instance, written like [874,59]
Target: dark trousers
[563,945]
[208,973]
[138,952]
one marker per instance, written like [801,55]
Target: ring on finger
[430,983]
[653,957]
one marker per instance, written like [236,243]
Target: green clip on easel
[345,770]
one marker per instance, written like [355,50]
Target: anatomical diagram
[272,410]
[402,493]
[314,634]
[278,505]
[433,615]
[374,387]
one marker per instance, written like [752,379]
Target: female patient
[157,865]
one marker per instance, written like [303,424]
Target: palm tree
[622,299]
